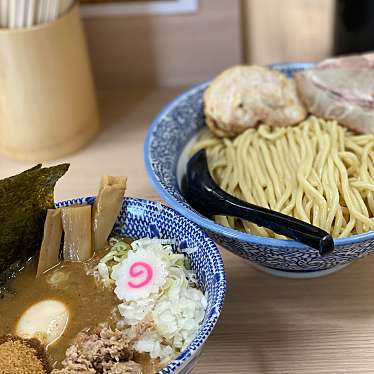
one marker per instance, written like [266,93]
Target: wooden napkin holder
[48,104]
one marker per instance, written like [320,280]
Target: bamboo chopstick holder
[48,105]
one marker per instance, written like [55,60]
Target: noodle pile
[317,171]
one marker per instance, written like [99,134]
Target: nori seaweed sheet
[24,200]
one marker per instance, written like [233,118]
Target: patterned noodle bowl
[142,218]
[165,159]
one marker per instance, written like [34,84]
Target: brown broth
[88,305]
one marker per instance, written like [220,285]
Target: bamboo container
[48,105]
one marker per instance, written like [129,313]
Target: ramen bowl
[142,218]
[166,154]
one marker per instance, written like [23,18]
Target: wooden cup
[48,105]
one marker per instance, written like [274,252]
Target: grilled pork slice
[353,61]
[341,89]
[245,96]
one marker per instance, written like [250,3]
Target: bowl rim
[209,324]
[206,223]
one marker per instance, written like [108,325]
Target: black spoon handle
[218,201]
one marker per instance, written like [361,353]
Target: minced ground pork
[105,351]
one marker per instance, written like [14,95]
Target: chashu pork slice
[341,89]
[244,96]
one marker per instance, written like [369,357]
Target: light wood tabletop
[269,325]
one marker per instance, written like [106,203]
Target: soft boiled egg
[45,320]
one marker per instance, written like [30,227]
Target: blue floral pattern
[175,125]
[142,218]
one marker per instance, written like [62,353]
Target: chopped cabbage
[172,300]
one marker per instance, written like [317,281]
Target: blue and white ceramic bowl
[142,218]
[170,132]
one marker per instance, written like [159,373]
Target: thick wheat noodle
[325,150]
[334,204]
[362,185]
[251,181]
[349,144]
[270,174]
[347,194]
[320,207]
[242,145]
[285,175]
[258,181]
[366,174]
[317,171]
[370,190]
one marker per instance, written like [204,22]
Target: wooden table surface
[269,324]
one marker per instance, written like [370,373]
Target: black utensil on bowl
[203,194]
